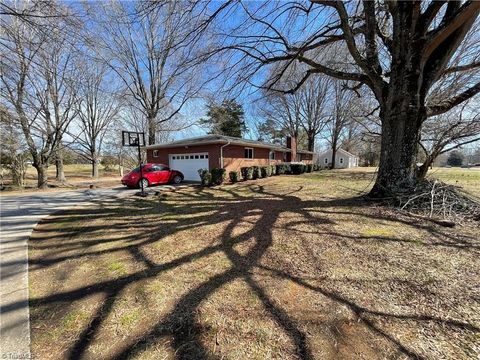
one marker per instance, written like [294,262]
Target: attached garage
[188,164]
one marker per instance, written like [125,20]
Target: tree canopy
[226,118]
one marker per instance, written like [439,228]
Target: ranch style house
[219,151]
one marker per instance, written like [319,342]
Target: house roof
[340,150]
[222,139]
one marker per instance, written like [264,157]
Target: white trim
[270,153]
[253,153]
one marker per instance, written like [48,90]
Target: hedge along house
[218,151]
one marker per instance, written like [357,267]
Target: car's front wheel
[177,179]
[143,183]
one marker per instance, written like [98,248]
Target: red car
[153,174]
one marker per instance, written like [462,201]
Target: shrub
[218,176]
[279,169]
[268,171]
[283,169]
[263,171]
[296,169]
[233,175]
[257,172]
[316,167]
[273,169]
[205,177]
[247,173]
[309,168]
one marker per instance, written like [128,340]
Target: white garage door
[188,164]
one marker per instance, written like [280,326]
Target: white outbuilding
[343,159]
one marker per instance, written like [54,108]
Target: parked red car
[153,174]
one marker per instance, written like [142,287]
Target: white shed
[343,159]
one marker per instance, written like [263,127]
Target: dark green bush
[247,173]
[257,172]
[296,169]
[263,171]
[218,176]
[283,169]
[268,171]
[315,167]
[205,177]
[280,169]
[233,175]
[309,168]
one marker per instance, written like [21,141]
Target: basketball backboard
[133,138]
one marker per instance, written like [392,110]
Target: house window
[326,160]
[248,153]
[341,160]
[271,155]
[155,153]
[206,156]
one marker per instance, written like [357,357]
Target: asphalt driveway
[19,214]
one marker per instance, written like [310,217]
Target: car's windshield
[137,169]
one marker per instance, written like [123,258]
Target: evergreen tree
[455,158]
[226,118]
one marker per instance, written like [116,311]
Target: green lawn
[281,268]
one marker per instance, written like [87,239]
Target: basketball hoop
[137,139]
[133,138]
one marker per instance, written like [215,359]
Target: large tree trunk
[398,171]
[95,168]
[18,171]
[152,129]
[334,151]
[310,141]
[60,172]
[42,178]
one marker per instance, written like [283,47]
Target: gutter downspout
[221,153]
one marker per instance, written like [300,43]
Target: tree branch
[448,104]
[459,68]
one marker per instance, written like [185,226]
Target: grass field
[77,176]
[281,268]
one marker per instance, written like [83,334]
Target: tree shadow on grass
[224,205]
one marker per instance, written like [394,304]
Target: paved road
[18,217]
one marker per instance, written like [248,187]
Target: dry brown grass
[78,176]
[286,267]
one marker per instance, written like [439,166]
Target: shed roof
[340,150]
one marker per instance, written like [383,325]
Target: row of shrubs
[217,176]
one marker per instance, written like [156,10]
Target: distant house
[343,159]
[219,151]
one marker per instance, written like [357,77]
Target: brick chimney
[292,145]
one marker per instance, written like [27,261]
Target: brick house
[218,151]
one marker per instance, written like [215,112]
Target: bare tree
[12,152]
[154,55]
[399,49]
[36,85]
[313,96]
[449,131]
[342,112]
[283,110]
[98,106]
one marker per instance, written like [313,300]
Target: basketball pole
[142,193]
